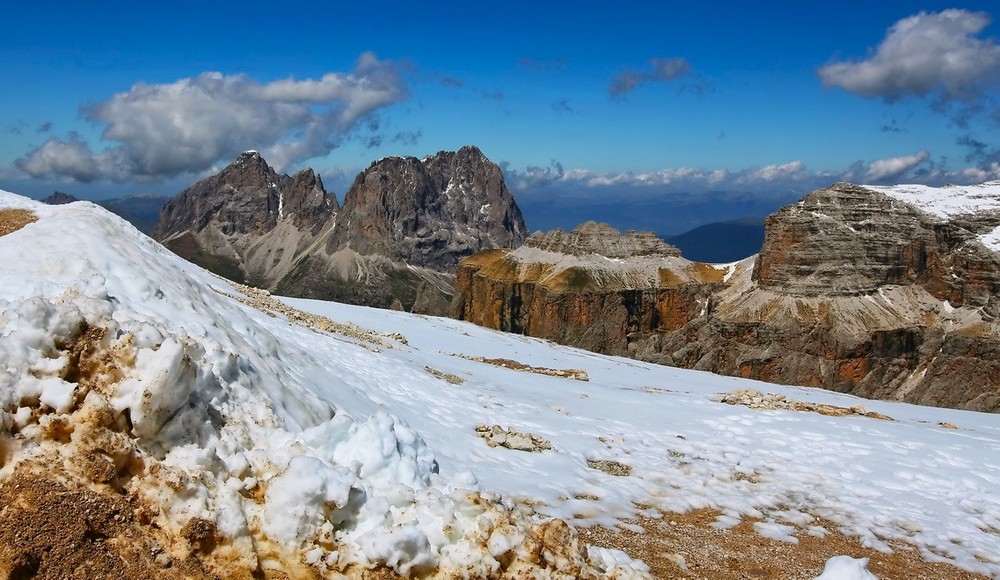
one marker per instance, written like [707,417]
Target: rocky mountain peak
[247,196]
[429,212]
[60,198]
[603,240]
[848,240]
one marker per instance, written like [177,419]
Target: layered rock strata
[855,290]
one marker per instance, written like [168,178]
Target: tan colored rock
[854,291]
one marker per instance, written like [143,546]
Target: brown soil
[48,530]
[12,220]
[742,553]
[577,374]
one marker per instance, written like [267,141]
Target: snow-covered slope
[347,437]
[948,201]
[953,201]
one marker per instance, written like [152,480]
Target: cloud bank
[781,180]
[157,131]
[936,52]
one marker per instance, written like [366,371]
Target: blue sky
[593,99]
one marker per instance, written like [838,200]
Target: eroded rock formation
[855,290]
[396,242]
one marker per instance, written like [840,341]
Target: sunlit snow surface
[951,201]
[324,413]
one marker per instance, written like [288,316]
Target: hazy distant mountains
[142,209]
[717,242]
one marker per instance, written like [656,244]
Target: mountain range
[142,209]
[395,243]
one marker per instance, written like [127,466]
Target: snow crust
[357,445]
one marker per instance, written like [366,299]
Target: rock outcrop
[396,242]
[431,212]
[563,287]
[855,289]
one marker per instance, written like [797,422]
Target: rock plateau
[886,293]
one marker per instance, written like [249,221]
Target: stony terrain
[396,242]
[855,290]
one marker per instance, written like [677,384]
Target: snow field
[361,456]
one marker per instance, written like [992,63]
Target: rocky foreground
[888,294]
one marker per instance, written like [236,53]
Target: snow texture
[846,568]
[347,431]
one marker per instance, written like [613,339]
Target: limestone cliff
[560,286]
[855,289]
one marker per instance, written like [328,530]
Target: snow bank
[224,415]
[948,201]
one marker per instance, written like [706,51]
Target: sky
[618,102]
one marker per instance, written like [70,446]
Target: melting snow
[344,430]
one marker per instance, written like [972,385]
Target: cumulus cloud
[71,157]
[660,70]
[893,167]
[936,52]
[162,130]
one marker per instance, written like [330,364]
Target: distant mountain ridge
[405,224]
[721,242]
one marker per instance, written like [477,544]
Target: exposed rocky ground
[395,244]
[876,293]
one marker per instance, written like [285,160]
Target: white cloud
[923,54]
[770,173]
[893,167]
[777,180]
[70,157]
[163,130]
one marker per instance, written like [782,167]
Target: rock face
[561,286]
[60,198]
[855,289]
[431,212]
[396,242]
[248,223]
